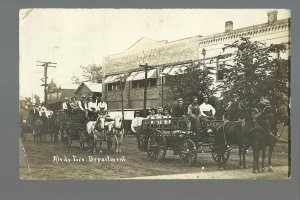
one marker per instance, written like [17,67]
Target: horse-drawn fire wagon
[160,135]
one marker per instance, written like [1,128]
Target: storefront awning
[174,70]
[113,78]
[140,75]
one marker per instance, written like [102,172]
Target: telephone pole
[44,80]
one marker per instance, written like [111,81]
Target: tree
[195,82]
[91,73]
[253,78]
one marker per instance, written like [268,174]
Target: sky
[75,37]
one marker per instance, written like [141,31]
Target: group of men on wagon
[198,114]
[89,107]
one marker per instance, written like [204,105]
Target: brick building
[172,57]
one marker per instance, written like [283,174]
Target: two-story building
[173,57]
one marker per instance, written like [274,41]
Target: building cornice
[250,31]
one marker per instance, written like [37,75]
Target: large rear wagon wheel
[188,152]
[157,147]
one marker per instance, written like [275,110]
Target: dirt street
[55,162]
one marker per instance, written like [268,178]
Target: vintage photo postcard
[154,94]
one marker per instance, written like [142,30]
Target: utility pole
[44,80]
[146,67]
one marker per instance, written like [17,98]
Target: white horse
[118,133]
[96,130]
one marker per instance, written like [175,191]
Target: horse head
[100,122]
[118,123]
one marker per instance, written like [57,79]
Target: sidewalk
[279,173]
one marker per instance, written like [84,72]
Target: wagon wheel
[156,148]
[188,152]
[226,155]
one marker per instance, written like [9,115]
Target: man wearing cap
[179,110]
[207,111]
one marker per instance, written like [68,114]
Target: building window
[109,87]
[135,84]
[141,83]
[152,82]
[219,73]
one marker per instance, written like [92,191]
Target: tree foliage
[253,77]
[195,82]
[91,73]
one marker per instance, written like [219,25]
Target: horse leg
[116,144]
[121,140]
[100,146]
[240,156]
[271,148]
[263,156]
[255,158]
[244,157]
[95,145]
[219,153]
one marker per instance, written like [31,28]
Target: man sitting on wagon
[207,111]
[92,109]
[195,115]
[179,110]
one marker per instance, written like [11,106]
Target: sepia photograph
[154,94]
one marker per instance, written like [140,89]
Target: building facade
[173,57]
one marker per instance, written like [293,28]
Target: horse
[53,125]
[95,129]
[271,137]
[118,133]
[38,128]
[255,134]
[241,133]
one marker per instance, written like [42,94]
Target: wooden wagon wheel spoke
[188,152]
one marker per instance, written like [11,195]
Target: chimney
[272,16]
[228,26]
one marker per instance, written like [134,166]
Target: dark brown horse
[258,134]
[38,129]
[240,133]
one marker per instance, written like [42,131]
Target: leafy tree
[195,82]
[253,77]
[91,73]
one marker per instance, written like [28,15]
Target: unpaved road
[54,162]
